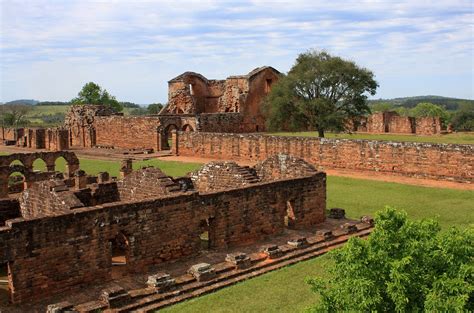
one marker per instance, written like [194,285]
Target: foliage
[463,119]
[129,105]
[402,266]
[381,107]
[42,103]
[138,111]
[410,102]
[154,108]
[92,93]
[14,115]
[320,92]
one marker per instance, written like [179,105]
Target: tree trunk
[321,132]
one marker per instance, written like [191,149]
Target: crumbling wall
[438,161]
[221,122]
[401,124]
[147,183]
[220,175]
[428,126]
[283,166]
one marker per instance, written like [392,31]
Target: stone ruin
[76,230]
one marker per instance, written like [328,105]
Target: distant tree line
[461,120]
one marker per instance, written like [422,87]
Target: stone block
[115,297]
[299,242]
[368,220]
[337,213]
[161,281]
[272,251]
[239,259]
[326,234]
[61,307]
[202,271]
[350,228]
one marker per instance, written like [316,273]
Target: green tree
[463,119]
[14,115]
[154,108]
[320,92]
[403,266]
[381,107]
[426,109]
[92,93]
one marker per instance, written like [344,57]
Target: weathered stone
[161,281]
[326,234]
[349,228]
[115,296]
[202,271]
[239,259]
[272,251]
[337,213]
[368,220]
[299,242]
[61,307]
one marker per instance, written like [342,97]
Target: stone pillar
[174,142]
[103,177]
[80,179]
[71,169]
[125,167]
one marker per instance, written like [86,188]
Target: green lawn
[459,138]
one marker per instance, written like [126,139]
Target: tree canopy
[320,92]
[92,93]
[14,115]
[403,266]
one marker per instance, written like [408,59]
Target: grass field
[459,138]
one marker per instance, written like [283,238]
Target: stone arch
[187,128]
[40,165]
[166,135]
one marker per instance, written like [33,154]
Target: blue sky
[50,49]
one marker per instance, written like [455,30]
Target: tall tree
[14,115]
[92,93]
[403,266]
[320,92]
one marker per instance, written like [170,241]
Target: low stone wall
[438,161]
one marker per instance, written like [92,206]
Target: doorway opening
[289,219]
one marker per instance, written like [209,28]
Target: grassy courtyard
[457,138]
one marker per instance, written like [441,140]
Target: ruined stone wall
[220,175]
[57,139]
[56,253]
[376,123]
[428,126]
[401,124]
[222,122]
[440,161]
[11,134]
[130,132]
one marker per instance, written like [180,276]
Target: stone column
[125,168]
[80,179]
[174,142]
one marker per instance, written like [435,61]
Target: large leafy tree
[403,266]
[320,92]
[92,93]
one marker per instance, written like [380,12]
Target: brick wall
[9,208]
[439,161]
[221,122]
[51,254]
[134,132]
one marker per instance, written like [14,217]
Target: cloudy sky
[50,49]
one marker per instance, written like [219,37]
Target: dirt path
[354,174]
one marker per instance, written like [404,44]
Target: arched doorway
[187,128]
[120,254]
[167,138]
[39,165]
[16,182]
